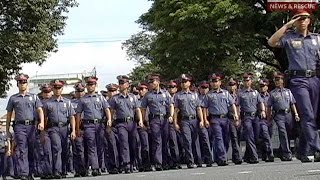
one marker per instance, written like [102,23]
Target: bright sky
[110,21]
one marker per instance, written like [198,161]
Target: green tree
[205,36]
[28,33]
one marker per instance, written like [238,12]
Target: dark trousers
[307,93]
[251,133]
[235,141]
[220,132]
[59,147]
[127,133]
[25,138]
[285,126]
[159,135]
[190,135]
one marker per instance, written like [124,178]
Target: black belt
[57,124]
[283,111]
[25,122]
[123,120]
[189,117]
[303,73]
[93,121]
[218,115]
[248,114]
[157,115]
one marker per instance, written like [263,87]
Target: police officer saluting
[281,102]
[124,105]
[217,103]
[94,108]
[58,112]
[24,104]
[302,48]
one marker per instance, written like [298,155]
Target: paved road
[262,171]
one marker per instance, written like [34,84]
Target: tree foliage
[205,36]
[28,33]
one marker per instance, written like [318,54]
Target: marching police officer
[302,48]
[249,100]
[124,105]
[204,138]
[111,136]
[267,151]
[144,148]
[58,113]
[234,129]
[5,151]
[94,108]
[282,103]
[187,103]
[24,104]
[78,142]
[216,103]
[161,109]
[45,146]
[173,134]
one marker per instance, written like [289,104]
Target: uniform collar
[186,92]
[123,96]
[219,90]
[92,95]
[27,94]
[157,92]
[264,94]
[55,99]
[248,89]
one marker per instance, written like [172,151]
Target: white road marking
[245,172]
[200,173]
[314,170]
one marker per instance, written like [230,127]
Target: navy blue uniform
[24,107]
[303,56]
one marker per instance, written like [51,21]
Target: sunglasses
[262,85]
[79,90]
[184,81]
[46,91]
[215,80]
[112,90]
[204,87]
[91,84]
[57,87]
[171,87]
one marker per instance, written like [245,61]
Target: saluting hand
[291,23]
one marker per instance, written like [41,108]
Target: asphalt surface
[262,171]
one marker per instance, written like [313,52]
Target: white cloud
[109,60]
